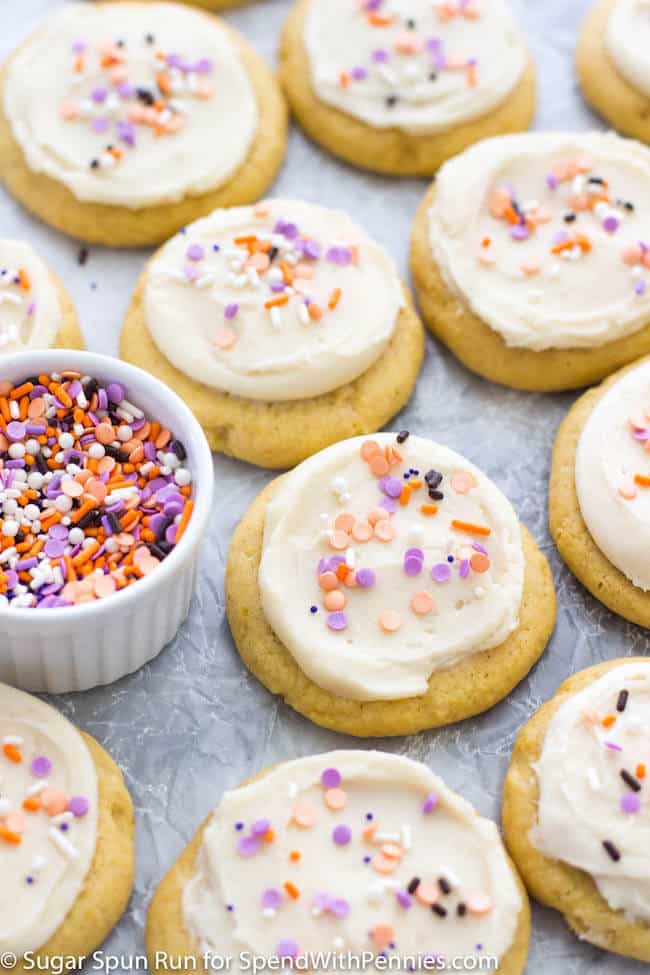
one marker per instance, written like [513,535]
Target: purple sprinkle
[331,778]
[640,288]
[630,803]
[380,56]
[126,132]
[260,827]
[359,74]
[271,898]
[100,125]
[389,505]
[78,806]
[203,66]
[98,95]
[342,835]
[41,767]
[15,430]
[479,548]
[231,310]
[195,252]
[441,572]
[520,232]
[339,907]
[248,846]
[611,223]
[464,568]
[404,899]
[365,578]
[392,487]
[412,566]
[312,249]
[115,392]
[54,548]
[613,747]
[337,621]
[287,948]
[430,803]
[551,181]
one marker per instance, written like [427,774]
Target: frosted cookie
[575,806]
[354,852]
[385,586]
[121,122]
[530,261]
[613,67]
[599,499]
[398,86]
[66,836]
[283,326]
[36,311]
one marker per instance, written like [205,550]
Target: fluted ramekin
[73,648]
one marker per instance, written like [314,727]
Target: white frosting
[72,92]
[612,474]
[376,645]
[627,38]
[584,800]
[45,852]
[309,313]
[236,901]
[30,311]
[544,282]
[413,64]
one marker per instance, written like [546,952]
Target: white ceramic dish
[78,647]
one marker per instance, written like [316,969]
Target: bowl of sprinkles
[106,487]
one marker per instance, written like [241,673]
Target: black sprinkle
[114,522]
[633,783]
[150,39]
[91,519]
[436,495]
[413,886]
[444,885]
[433,478]
[391,101]
[157,551]
[91,388]
[410,23]
[273,253]
[433,76]
[179,450]
[461,910]
[94,163]
[145,96]
[40,463]
[621,704]
[403,436]
[82,256]
[597,180]
[612,851]
[439,910]
[570,217]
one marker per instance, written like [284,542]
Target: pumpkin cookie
[121,122]
[613,68]
[575,806]
[401,90]
[66,835]
[36,311]
[283,326]
[599,499]
[349,851]
[529,261]
[386,586]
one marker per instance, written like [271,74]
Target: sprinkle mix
[41,803]
[624,739]
[123,91]
[275,270]
[405,57]
[15,290]
[341,572]
[386,853]
[93,495]
[592,209]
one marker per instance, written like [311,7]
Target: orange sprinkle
[640,771]
[470,528]
[609,721]
[10,837]
[12,753]
[291,890]
[276,302]
[335,297]
[294,856]
[429,509]
[642,480]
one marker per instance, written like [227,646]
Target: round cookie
[132,121]
[599,460]
[446,608]
[508,246]
[343,891]
[612,64]
[36,311]
[283,326]
[400,93]
[66,834]
[585,740]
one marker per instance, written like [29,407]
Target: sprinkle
[429,804]
[342,835]
[621,703]
[612,851]
[630,803]
[335,799]
[331,778]
[390,621]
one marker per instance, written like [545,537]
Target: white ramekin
[77,647]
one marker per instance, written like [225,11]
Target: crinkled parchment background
[194,722]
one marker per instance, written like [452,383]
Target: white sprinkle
[63,844]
